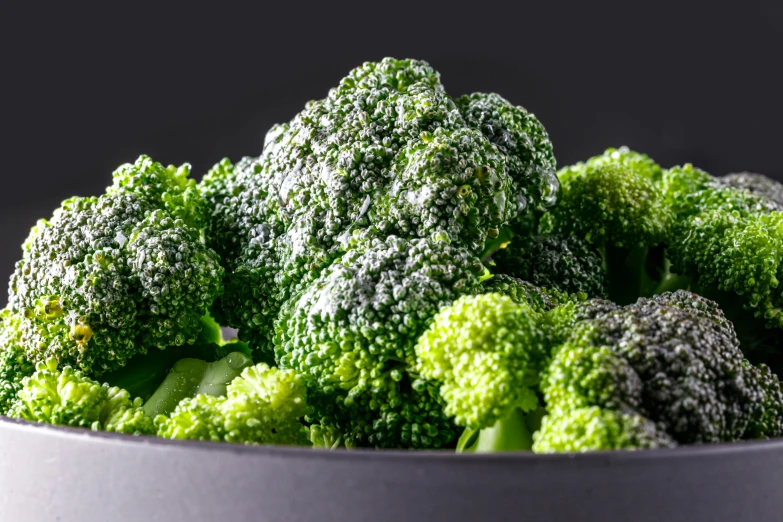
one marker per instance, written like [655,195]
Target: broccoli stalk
[512,432]
[191,377]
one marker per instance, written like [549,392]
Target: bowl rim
[417,456]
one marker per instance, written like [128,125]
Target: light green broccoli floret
[485,351]
[595,429]
[264,405]
[69,398]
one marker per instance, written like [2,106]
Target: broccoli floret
[264,405]
[730,242]
[617,202]
[486,351]
[108,277]
[595,429]
[387,152]
[565,263]
[351,335]
[68,397]
[521,137]
[681,367]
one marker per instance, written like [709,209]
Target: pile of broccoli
[406,269]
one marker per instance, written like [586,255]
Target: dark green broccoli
[68,397]
[351,335]
[387,152]
[111,276]
[264,405]
[565,263]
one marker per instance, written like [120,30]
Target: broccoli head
[729,240]
[351,335]
[110,276]
[617,202]
[486,351]
[387,152]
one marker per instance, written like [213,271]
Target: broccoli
[565,263]
[351,335]
[728,240]
[663,371]
[68,397]
[387,152]
[406,270]
[487,352]
[264,405]
[617,202]
[111,276]
[595,429]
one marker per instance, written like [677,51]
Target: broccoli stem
[191,377]
[512,432]
[143,373]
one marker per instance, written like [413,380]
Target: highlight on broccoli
[406,270]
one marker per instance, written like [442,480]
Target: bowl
[50,473]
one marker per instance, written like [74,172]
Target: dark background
[84,88]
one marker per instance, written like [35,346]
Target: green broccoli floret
[595,429]
[565,263]
[729,240]
[351,335]
[111,276]
[617,202]
[387,152]
[68,397]
[264,405]
[486,351]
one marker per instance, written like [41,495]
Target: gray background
[86,87]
